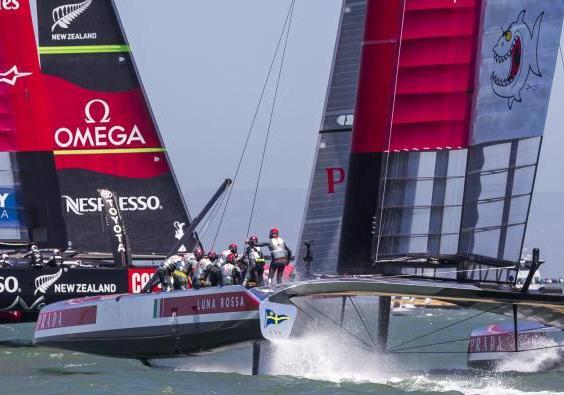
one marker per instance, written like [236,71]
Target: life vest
[278,248]
[227,273]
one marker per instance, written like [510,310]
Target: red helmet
[274,232]
[212,255]
[230,258]
[253,240]
[233,248]
[198,253]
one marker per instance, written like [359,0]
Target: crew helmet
[231,258]
[198,253]
[274,233]
[212,255]
[233,248]
[253,240]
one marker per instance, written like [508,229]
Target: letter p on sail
[335,176]
[276,320]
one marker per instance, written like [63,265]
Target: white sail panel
[517,58]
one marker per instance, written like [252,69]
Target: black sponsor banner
[105,72]
[78,23]
[28,289]
[116,228]
[40,197]
[152,211]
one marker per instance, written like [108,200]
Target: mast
[324,208]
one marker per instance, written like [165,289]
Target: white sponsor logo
[179,234]
[138,281]
[113,213]
[43,283]
[9,284]
[64,15]
[9,5]
[3,212]
[80,206]
[11,76]
[82,288]
[97,132]
[345,120]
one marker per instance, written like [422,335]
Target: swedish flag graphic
[275,319]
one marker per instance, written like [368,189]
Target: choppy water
[315,364]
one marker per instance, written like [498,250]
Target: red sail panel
[22,113]
[417,75]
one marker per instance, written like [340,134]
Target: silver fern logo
[64,15]
[43,283]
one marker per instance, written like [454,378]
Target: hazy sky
[203,64]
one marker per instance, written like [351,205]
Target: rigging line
[430,344]
[561,57]
[371,348]
[271,115]
[357,309]
[443,328]
[212,216]
[390,131]
[466,352]
[253,121]
[460,340]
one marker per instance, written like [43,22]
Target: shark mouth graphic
[508,66]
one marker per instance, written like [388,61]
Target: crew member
[232,249]
[230,274]
[199,277]
[36,257]
[280,254]
[5,261]
[254,260]
[163,275]
[56,259]
[213,271]
[181,278]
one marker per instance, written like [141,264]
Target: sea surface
[316,364]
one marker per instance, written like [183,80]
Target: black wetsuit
[36,259]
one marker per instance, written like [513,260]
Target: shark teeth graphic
[11,76]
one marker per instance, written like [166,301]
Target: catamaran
[422,183]
[426,163]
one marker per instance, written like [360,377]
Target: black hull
[20,291]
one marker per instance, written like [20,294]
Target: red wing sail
[29,195]
[102,131]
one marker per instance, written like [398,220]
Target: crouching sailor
[213,271]
[254,260]
[200,271]
[280,254]
[35,257]
[230,274]
[165,275]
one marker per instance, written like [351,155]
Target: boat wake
[334,359]
[546,354]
